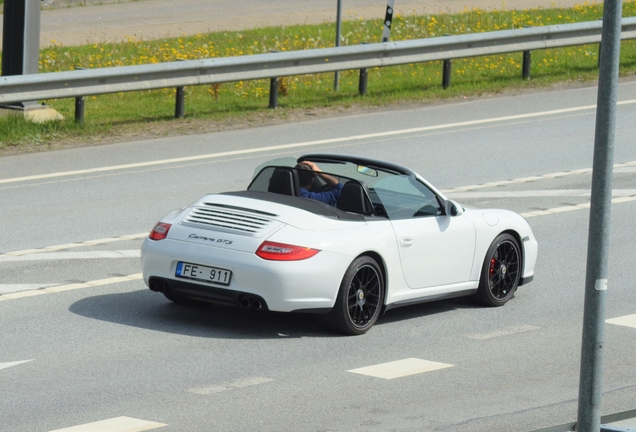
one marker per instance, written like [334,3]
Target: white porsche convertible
[390,239]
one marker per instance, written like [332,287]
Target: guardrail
[80,83]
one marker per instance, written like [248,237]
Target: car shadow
[420,310]
[147,310]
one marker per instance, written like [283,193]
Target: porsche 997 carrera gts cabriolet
[387,239]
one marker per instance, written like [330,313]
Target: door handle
[406,242]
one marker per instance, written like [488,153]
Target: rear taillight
[284,252]
[160,231]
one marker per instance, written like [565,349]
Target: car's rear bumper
[282,286]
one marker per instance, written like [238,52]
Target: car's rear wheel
[360,297]
[501,271]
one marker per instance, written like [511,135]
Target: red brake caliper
[492,267]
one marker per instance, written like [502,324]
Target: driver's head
[305,175]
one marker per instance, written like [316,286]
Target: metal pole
[591,377]
[273,93]
[527,60]
[388,19]
[179,107]
[446,73]
[336,82]
[79,109]
[362,82]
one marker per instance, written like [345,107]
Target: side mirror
[453,208]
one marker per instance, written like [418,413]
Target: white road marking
[625,170]
[75,245]
[572,208]
[304,144]
[15,363]
[231,385]
[534,178]
[627,321]
[584,193]
[117,424]
[502,332]
[69,287]
[400,368]
[11,288]
[134,253]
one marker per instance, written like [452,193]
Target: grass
[109,117]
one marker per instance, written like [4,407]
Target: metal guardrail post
[79,109]
[362,83]
[79,105]
[273,93]
[179,109]
[446,72]
[273,89]
[527,60]
[446,76]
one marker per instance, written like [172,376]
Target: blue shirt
[330,197]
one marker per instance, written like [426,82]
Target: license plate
[203,273]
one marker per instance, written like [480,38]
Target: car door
[435,248]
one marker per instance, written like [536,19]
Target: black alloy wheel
[360,297]
[501,271]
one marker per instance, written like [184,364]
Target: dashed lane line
[69,287]
[117,424]
[11,288]
[15,363]
[627,321]
[548,193]
[400,368]
[75,245]
[306,143]
[572,208]
[617,167]
[133,253]
[230,385]
[502,332]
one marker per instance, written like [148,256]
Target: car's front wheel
[360,297]
[501,271]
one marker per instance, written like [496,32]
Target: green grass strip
[126,115]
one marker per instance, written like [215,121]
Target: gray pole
[21,37]
[21,41]
[591,378]
[336,83]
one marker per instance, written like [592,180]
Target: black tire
[360,298]
[501,271]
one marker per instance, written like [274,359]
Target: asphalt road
[84,341]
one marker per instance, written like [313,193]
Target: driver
[307,172]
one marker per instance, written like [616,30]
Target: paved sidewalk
[111,20]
